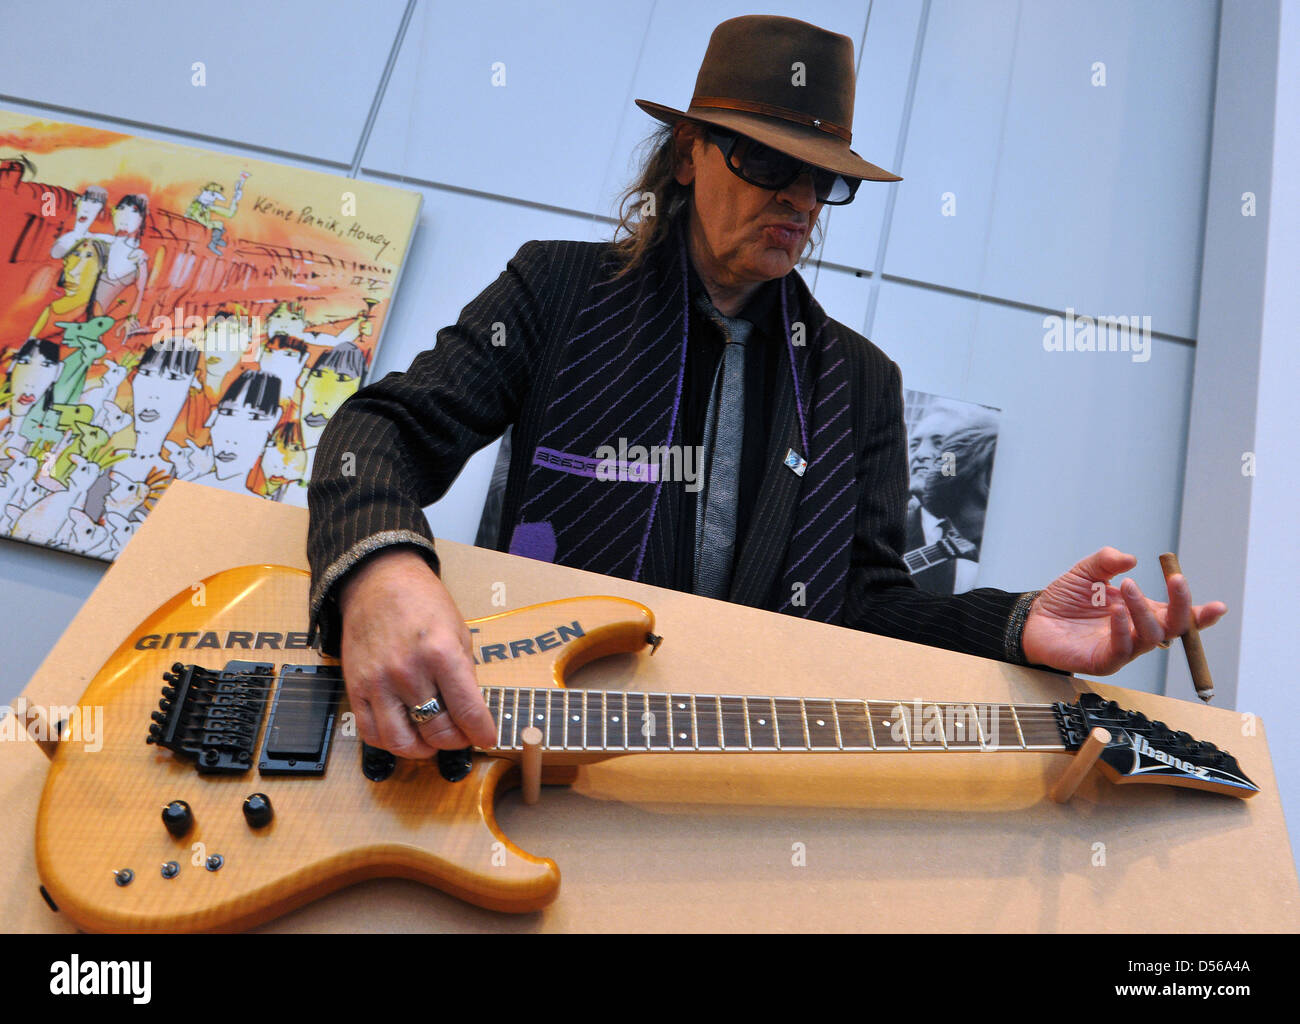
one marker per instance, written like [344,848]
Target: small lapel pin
[796,462]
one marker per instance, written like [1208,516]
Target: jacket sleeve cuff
[1014,642]
[325,616]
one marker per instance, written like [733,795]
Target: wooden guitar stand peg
[531,765]
[1084,759]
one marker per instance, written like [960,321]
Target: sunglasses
[768,168]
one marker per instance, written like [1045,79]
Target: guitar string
[1040,719]
[881,705]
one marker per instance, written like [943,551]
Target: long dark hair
[657,177]
[139,202]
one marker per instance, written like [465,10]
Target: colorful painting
[169,313]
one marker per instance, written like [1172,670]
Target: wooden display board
[767,842]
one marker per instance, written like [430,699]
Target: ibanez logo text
[1141,746]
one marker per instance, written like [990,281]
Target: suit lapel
[763,553]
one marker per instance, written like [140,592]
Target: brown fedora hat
[784,82]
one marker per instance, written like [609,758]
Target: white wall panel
[546,135]
[842,294]
[294,79]
[884,66]
[952,143]
[929,334]
[1100,191]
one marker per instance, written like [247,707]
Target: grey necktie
[724,431]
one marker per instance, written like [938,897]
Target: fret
[519,715]
[936,721]
[657,704]
[762,723]
[791,729]
[508,718]
[981,721]
[593,721]
[1040,728]
[528,712]
[1004,736]
[925,726]
[820,718]
[682,721]
[574,719]
[615,721]
[543,701]
[1019,732]
[735,729]
[555,718]
[855,730]
[963,724]
[541,710]
[639,724]
[708,722]
[494,708]
[891,725]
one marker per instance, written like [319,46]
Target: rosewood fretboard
[614,720]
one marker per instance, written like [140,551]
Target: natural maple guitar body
[224,783]
[100,810]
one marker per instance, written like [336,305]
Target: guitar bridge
[213,718]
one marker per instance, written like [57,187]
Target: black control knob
[257,810]
[178,818]
[377,764]
[454,765]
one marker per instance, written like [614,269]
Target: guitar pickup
[301,722]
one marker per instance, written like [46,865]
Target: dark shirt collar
[762,310]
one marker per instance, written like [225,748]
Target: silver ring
[421,713]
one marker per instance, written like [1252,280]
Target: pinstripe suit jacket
[397,445]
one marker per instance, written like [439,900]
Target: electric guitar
[950,545]
[211,777]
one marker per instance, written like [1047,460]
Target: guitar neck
[923,558]
[615,721]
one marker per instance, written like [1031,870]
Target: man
[682,334]
[239,427]
[226,340]
[332,379]
[33,371]
[283,357]
[950,456]
[204,209]
[160,385]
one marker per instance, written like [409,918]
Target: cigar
[1196,662]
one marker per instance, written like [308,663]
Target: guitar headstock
[1142,750]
